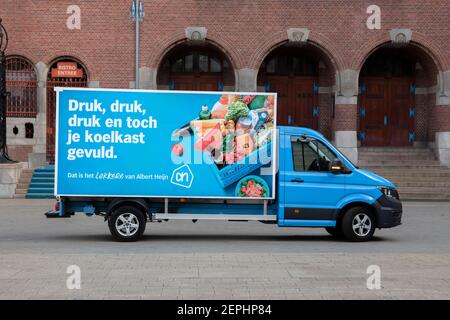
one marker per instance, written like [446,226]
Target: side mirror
[337,166]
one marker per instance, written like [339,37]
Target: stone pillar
[246,79]
[147,78]
[442,141]
[38,156]
[9,177]
[93,84]
[345,113]
[441,119]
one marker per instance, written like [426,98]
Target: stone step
[42,179]
[413,173]
[440,190]
[395,156]
[21,191]
[24,180]
[40,190]
[405,154]
[41,185]
[411,169]
[44,175]
[387,167]
[399,163]
[40,196]
[422,184]
[19,196]
[45,169]
[426,179]
[26,174]
[394,149]
[22,185]
[424,196]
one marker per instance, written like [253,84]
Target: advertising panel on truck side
[144,143]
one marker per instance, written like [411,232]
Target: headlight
[389,192]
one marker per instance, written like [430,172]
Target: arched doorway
[389,113]
[296,73]
[64,72]
[21,85]
[197,68]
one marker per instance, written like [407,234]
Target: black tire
[335,232]
[127,223]
[358,224]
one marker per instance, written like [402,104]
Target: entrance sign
[67,70]
[113,142]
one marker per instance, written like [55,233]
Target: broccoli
[236,110]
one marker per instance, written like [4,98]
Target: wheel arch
[355,204]
[138,203]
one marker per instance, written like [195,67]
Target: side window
[311,155]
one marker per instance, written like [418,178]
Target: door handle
[297,180]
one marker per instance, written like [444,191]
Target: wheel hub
[127,224]
[361,224]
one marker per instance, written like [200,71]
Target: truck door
[311,192]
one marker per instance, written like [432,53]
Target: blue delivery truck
[139,156]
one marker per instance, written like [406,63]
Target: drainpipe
[137,14]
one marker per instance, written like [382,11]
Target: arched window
[389,62]
[291,64]
[195,68]
[195,61]
[21,85]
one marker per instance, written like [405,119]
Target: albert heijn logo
[182,176]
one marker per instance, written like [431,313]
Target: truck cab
[320,187]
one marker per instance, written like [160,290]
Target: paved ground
[219,260]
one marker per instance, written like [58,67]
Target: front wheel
[127,223]
[358,224]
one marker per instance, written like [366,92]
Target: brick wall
[246,30]
[439,120]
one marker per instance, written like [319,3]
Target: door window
[311,155]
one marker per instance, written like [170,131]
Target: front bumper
[389,212]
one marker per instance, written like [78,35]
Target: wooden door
[373,109]
[183,83]
[280,85]
[207,83]
[196,82]
[384,107]
[400,122]
[295,100]
[303,103]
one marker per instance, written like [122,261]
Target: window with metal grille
[21,86]
[195,61]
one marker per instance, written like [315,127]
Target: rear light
[57,206]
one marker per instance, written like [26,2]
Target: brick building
[360,78]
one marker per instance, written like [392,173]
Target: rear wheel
[127,223]
[358,224]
